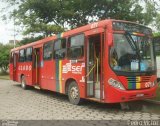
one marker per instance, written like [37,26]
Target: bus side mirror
[110,39]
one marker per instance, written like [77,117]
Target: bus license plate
[139,95]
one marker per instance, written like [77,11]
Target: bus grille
[137,82]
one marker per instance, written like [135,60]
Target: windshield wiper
[132,43]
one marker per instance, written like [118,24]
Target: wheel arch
[68,81]
[21,77]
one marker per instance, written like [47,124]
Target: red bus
[109,61]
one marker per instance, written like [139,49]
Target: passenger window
[47,51]
[29,54]
[22,55]
[75,47]
[60,49]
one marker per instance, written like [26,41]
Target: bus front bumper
[114,95]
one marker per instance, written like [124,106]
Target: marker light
[115,84]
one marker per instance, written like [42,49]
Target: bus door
[94,65]
[37,66]
[15,60]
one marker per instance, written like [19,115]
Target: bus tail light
[116,84]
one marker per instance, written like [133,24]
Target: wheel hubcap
[74,93]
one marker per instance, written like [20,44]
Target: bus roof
[87,27]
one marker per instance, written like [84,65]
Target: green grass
[4,77]
[157,98]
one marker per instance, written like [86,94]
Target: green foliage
[158,21]
[76,13]
[157,34]
[53,16]
[29,40]
[157,98]
[4,57]
[37,17]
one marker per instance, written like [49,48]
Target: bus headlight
[115,84]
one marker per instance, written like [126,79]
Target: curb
[152,101]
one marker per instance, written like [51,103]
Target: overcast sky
[5,31]
[7,28]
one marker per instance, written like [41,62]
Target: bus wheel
[23,82]
[73,93]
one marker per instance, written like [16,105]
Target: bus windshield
[132,53]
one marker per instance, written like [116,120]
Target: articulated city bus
[109,61]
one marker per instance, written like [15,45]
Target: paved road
[19,104]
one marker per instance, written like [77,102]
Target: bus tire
[23,82]
[73,93]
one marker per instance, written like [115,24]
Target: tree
[36,16]
[53,16]
[30,39]
[156,34]
[4,57]
[158,21]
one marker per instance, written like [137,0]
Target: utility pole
[14,26]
